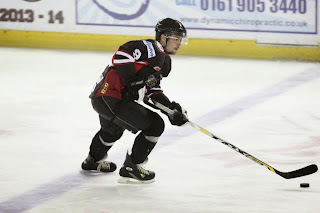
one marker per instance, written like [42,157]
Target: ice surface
[270,109]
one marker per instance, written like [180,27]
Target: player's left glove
[179,117]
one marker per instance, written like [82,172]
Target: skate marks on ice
[296,154]
[310,148]
[43,193]
[246,103]
[57,187]
[259,97]
[5,132]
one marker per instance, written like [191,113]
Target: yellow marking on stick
[264,164]
[204,131]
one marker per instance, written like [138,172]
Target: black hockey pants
[116,116]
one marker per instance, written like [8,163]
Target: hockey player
[136,71]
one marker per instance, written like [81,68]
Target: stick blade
[308,170]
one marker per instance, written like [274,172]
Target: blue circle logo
[134,8]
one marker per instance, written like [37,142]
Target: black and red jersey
[140,58]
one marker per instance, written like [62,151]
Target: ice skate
[100,166]
[134,173]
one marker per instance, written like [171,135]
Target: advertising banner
[268,20]
[273,16]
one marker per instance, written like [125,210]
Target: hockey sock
[101,143]
[142,148]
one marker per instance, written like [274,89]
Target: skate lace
[143,170]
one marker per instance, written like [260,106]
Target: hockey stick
[288,175]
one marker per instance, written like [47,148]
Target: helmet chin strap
[164,47]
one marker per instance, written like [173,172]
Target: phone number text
[274,6]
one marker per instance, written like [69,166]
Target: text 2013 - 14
[29,16]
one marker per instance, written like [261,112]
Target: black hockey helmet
[169,26]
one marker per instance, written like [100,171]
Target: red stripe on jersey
[139,64]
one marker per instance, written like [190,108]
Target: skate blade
[95,171]
[127,180]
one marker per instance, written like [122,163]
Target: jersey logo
[151,81]
[157,68]
[136,54]
[150,49]
[103,91]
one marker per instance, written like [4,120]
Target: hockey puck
[304,185]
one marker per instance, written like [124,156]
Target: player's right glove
[135,89]
[179,117]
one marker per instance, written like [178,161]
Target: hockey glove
[135,89]
[179,117]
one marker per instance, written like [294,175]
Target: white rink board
[266,21]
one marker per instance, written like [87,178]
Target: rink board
[204,47]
